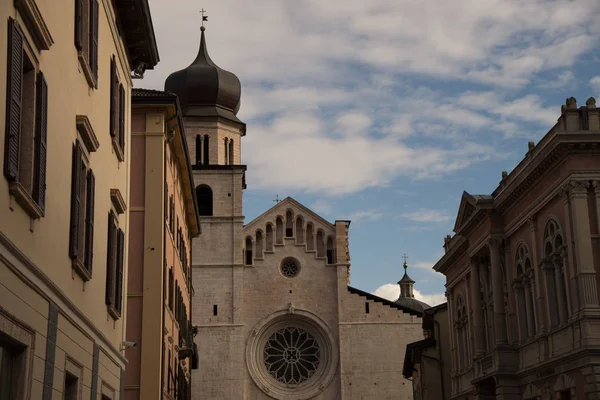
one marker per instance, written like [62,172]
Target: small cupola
[204,89]
[406,284]
[407,296]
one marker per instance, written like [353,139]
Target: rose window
[290,267]
[291,355]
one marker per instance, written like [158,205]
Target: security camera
[126,344]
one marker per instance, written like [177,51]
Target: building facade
[66,72]
[522,273]
[274,312]
[163,220]
[427,362]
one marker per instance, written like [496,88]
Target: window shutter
[113,97]
[110,259]
[119,272]
[166,201]
[89,221]
[94,39]
[79,24]
[41,128]
[13,101]
[122,118]
[75,201]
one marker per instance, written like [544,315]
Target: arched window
[299,230]
[524,288]
[320,244]
[205,148]
[198,149]
[556,272]
[269,237]
[310,240]
[330,252]
[226,147]
[248,253]
[289,223]
[230,151]
[204,196]
[462,328]
[279,230]
[259,244]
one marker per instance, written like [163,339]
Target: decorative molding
[84,127]
[118,201]
[25,200]
[531,222]
[35,23]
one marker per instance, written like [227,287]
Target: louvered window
[86,38]
[117,111]
[114,267]
[81,231]
[26,125]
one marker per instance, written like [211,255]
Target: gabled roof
[468,205]
[387,302]
[289,202]
[413,355]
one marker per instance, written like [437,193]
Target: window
[171,284]
[524,289]
[225,148]
[117,111]
[26,125]
[86,38]
[556,272]
[289,223]
[269,237]
[6,373]
[205,149]
[248,251]
[259,244]
[330,251]
[114,267]
[279,230]
[204,196]
[230,151]
[290,267]
[198,150]
[310,242]
[16,350]
[320,244]
[299,230]
[81,235]
[71,386]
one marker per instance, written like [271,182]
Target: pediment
[465,211]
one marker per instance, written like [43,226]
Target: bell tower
[210,99]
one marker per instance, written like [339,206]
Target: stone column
[539,298]
[582,246]
[560,287]
[452,321]
[498,295]
[548,267]
[478,324]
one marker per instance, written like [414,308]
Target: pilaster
[498,296]
[478,332]
[582,245]
[543,319]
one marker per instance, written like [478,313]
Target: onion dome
[204,89]
[407,297]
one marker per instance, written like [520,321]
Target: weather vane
[204,17]
[405,257]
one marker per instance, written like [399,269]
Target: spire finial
[276,199]
[405,257]
[204,18]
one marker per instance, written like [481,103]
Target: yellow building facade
[66,68]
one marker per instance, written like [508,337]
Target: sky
[383,111]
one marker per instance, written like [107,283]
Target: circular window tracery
[292,355]
[290,267]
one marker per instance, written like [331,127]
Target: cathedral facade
[273,310]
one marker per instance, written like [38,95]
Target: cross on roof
[204,17]
[405,257]
[276,199]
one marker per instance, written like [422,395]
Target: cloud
[366,215]
[343,96]
[595,84]
[391,291]
[322,206]
[427,216]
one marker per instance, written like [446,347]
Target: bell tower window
[205,149]
[204,196]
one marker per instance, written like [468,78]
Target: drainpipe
[164,252]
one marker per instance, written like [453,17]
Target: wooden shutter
[166,216]
[41,128]
[79,24]
[76,177]
[122,119]
[119,271]
[113,97]
[110,258]
[94,39]
[13,101]
[89,221]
